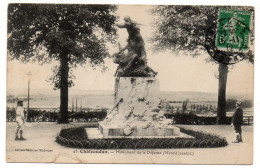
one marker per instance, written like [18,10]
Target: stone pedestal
[136,92]
[118,131]
[138,112]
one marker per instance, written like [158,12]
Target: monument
[137,111]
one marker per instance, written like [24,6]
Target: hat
[19,103]
[239,103]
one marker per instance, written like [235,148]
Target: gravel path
[40,146]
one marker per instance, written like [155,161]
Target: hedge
[76,137]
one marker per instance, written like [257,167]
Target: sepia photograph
[131,84]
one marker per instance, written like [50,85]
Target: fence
[187,116]
[179,106]
[248,120]
[51,115]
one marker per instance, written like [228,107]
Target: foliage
[76,137]
[42,32]
[198,134]
[231,104]
[184,28]
[41,115]
[186,118]
[193,119]
[89,115]
[77,133]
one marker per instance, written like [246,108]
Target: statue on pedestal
[137,108]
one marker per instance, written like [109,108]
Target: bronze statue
[134,63]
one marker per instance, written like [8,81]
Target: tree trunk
[64,91]
[223,72]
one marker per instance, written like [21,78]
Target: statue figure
[134,63]
[133,30]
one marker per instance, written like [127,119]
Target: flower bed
[76,137]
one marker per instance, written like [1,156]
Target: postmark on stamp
[233,30]
[227,40]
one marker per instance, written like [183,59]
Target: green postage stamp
[233,30]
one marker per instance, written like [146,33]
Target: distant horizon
[94,98]
[75,92]
[110,90]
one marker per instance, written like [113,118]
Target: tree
[185,28]
[70,34]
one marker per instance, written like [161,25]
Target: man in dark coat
[237,121]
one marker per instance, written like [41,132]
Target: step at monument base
[117,130]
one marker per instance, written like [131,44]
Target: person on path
[20,120]
[237,121]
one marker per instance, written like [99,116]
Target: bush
[77,133]
[193,119]
[186,118]
[231,104]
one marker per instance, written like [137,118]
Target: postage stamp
[233,30]
[228,39]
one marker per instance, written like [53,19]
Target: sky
[175,72]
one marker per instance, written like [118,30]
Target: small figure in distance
[20,120]
[237,121]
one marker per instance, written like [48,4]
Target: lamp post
[29,74]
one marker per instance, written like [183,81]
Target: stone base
[137,112]
[117,131]
[135,94]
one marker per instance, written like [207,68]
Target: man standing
[237,121]
[20,120]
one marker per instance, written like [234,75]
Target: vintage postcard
[150,84]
